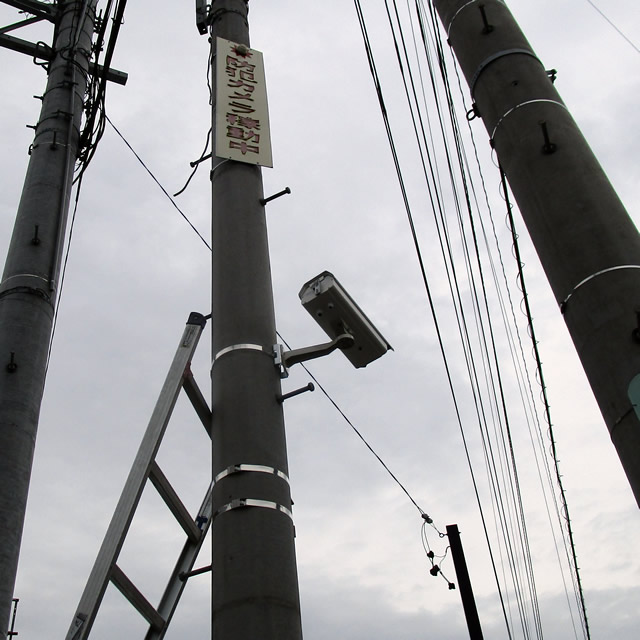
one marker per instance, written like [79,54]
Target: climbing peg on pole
[488,28]
[284,192]
[548,147]
[297,392]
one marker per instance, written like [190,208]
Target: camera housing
[337,313]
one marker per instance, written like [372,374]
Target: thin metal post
[255,586]
[587,244]
[464,583]
[30,280]
[12,631]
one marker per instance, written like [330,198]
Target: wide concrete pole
[587,244]
[31,277]
[255,587]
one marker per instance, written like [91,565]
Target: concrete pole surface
[587,244]
[28,287]
[255,585]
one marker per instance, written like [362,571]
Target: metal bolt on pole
[30,279]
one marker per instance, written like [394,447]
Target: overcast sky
[136,270]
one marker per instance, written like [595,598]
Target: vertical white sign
[242,116]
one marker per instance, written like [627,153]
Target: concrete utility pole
[31,276]
[587,244]
[255,586]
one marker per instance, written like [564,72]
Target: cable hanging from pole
[547,408]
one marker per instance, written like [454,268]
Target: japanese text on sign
[242,116]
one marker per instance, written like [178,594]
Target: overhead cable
[166,193]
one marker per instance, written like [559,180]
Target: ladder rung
[198,401]
[166,491]
[133,595]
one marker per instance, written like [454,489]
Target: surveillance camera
[337,313]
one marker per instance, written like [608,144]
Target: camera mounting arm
[286,359]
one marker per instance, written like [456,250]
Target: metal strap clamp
[241,347]
[243,503]
[496,56]
[522,104]
[256,468]
[563,304]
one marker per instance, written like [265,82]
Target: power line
[612,24]
[501,462]
[364,440]
[563,496]
[166,193]
[320,386]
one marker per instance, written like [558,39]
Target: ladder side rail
[123,515]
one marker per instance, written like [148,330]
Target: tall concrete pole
[587,244]
[255,587]
[31,277]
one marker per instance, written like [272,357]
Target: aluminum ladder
[145,468]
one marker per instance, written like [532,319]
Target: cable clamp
[518,106]
[252,468]
[245,503]
[563,304]
[473,113]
